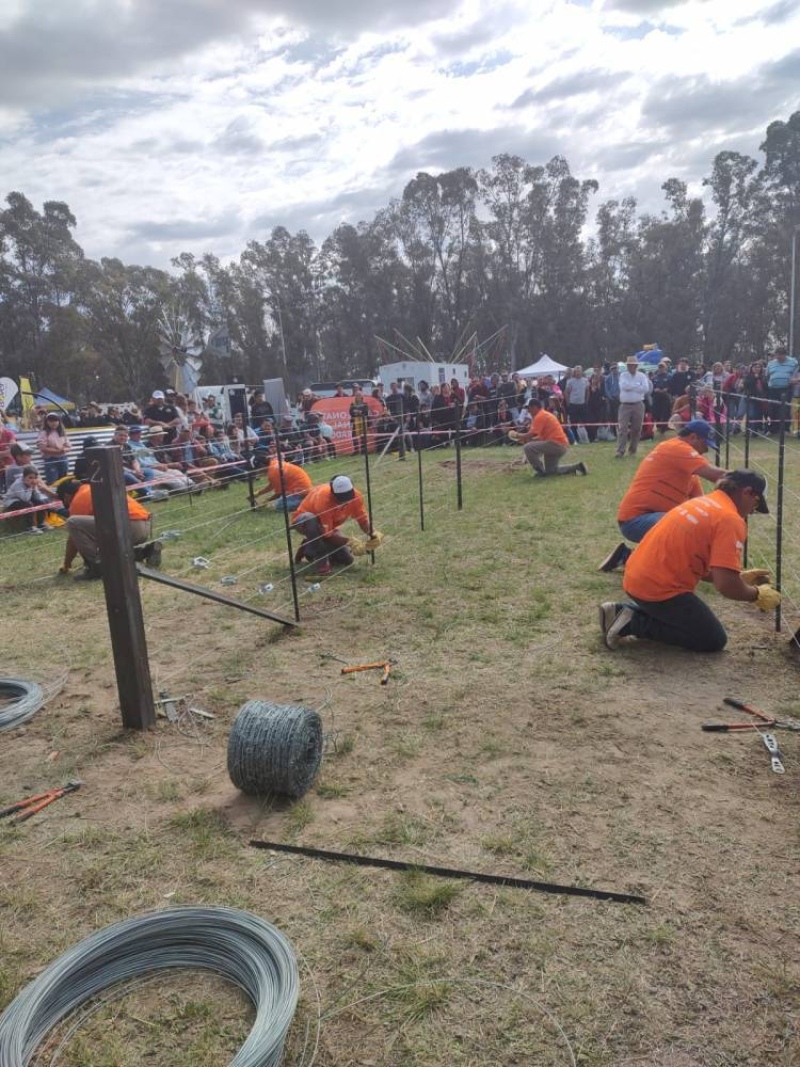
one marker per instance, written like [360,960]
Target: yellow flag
[26,395]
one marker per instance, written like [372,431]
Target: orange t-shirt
[295,478]
[82,504]
[681,548]
[321,502]
[663,479]
[548,428]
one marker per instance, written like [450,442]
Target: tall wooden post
[123,603]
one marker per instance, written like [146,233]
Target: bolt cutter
[764,720]
[30,806]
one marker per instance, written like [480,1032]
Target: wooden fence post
[120,581]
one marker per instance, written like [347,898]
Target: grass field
[509,740]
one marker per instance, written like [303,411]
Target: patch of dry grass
[508,740]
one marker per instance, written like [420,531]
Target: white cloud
[173,125]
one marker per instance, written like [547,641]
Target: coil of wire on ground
[274,748]
[235,945]
[26,698]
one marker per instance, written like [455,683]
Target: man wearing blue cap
[666,477]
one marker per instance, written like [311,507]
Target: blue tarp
[47,396]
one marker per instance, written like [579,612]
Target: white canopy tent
[542,366]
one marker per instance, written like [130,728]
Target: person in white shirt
[634,388]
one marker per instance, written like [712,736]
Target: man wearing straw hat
[634,388]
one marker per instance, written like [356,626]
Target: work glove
[357,547]
[756,576]
[768,598]
[513,435]
[375,541]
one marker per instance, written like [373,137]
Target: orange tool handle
[22,804]
[749,709]
[365,667]
[28,813]
[387,670]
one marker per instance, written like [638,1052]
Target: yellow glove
[358,548]
[756,576]
[513,435]
[374,542]
[768,598]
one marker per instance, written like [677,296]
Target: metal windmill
[181,350]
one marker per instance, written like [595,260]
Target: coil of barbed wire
[274,748]
[236,945]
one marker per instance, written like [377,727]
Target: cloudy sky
[196,125]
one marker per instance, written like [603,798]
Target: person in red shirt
[700,540]
[296,484]
[545,443]
[666,477]
[319,517]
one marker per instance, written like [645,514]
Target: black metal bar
[727,436]
[784,410]
[421,501]
[449,872]
[288,525]
[717,402]
[459,489]
[208,594]
[365,445]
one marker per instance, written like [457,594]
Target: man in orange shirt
[701,540]
[545,443]
[319,517]
[296,485]
[665,478]
[83,535]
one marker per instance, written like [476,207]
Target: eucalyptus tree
[281,275]
[39,262]
[121,307]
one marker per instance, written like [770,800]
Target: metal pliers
[30,806]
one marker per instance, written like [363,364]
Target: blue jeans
[55,469]
[635,529]
[292,503]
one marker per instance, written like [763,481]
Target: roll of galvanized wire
[24,700]
[274,748]
[234,944]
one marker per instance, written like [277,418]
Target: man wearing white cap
[161,413]
[634,388]
[319,517]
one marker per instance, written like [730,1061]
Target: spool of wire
[19,701]
[274,749]
[236,945]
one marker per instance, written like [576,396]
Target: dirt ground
[508,740]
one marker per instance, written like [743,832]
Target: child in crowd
[28,492]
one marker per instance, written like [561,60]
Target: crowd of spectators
[171,442]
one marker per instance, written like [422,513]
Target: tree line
[505,252]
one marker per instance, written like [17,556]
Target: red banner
[336,412]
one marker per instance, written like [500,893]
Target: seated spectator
[474,425]
[171,459]
[313,445]
[504,422]
[28,492]
[7,439]
[152,467]
[220,448]
[326,432]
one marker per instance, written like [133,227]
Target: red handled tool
[764,720]
[30,806]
